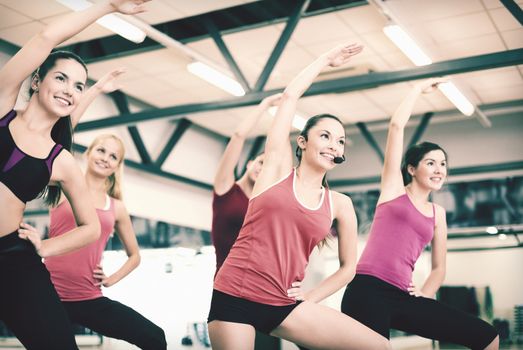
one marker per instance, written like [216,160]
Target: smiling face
[323,141]
[61,87]
[105,156]
[431,171]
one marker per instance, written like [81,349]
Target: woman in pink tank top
[289,213]
[79,276]
[231,196]
[382,295]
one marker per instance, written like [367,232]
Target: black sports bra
[24,175]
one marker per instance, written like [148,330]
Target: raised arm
[347,250]
[224,178]
[125,231]
[36,50]
[391,179]
[107,84]
[274,165]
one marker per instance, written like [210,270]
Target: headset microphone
[339,160]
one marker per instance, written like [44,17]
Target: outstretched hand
[341,54]
[109,82]
[129,7]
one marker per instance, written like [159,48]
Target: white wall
[498,269]
[170,300]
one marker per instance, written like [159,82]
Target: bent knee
[155,339]
[384,344]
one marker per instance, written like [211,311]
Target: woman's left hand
[109,82]
[30,234]
[296,292]
[414,291]
[99,275]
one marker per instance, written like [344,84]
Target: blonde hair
[113,182]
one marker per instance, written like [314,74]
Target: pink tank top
[274,244]
[228,212]
[397,237]
[72,273]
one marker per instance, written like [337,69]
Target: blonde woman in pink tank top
[382,295]
[289,213]
[79,276]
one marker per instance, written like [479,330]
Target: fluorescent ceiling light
[405,43]
[457,98]
[216,78]
[298,121]
[111,22]
[409,47]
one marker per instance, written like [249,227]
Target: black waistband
[12,244]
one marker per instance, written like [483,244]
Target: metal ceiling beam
[235,19]
[285,36]
[218,40]
[370,140]
[420,130]
[354,83]
[514,9]
[154,170]
[120,100]
[8,48]
[180,129]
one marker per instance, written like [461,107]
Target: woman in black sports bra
[33,163]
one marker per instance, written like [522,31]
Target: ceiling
[157,76]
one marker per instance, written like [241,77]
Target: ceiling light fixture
[111,22]
[406,44]
[216,78]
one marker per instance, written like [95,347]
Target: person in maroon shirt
[231,197]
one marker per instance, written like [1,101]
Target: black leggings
[381,306]
[29,305]
[116,320]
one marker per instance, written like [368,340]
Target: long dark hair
[311,122]
[414,155]
[62,131]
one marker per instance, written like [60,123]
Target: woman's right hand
[341,54]
[129,7]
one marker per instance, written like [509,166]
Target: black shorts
[382,306]
[263,317]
